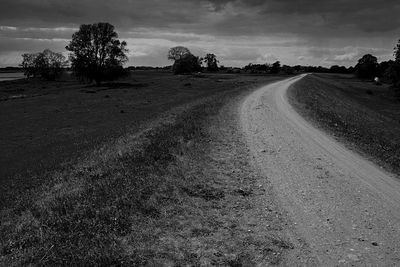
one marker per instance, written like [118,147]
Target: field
[10,75]
[361,114]
[147,171]
[45,125]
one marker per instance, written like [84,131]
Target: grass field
[172,191]
[365,116]
[47,125]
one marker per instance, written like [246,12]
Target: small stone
[375,244]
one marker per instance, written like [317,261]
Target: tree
[212,62]
[367,67]
[383,67]
[393,71]
[297,68]
[338,69]
[29,66]
[257,68]
[178,52]
[397,52]
[287,69]
[47,64]
[96,53]
[187,64]
[276,67]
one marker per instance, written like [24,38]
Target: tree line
[186,62]
[368,67]
[96,54]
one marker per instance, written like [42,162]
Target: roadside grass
[44,124]
[363,115]
[156,198]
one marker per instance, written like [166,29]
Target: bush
[367,67]
[212,62]
[287,69]
[275,68]
[187,64]
[47,64]
[392,75]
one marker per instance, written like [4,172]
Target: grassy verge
[44,124]
[171,196]
[363,115]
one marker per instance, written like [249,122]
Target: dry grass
[171,195]
[362,115]
[59,121]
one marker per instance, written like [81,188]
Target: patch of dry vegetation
[45,124]
[181,193]
[363,115]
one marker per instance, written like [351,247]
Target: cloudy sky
[306,32]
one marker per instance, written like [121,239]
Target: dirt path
[346,208]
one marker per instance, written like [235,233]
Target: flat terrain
[10,75]
[228,174]
[345,207]
[364,116]
[46,126]
[181,190]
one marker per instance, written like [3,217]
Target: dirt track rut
[345,207]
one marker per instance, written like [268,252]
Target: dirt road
[346,208]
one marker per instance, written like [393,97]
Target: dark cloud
[223,25]
[254,15]
[314,17]
[124,13]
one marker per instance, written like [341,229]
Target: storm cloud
[321,32]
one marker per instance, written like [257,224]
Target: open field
[360,114]
[229,176]
[47,125]
[174,191]
[10,75]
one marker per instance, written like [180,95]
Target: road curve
[346,208]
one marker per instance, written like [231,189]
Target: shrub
[187,64]
[212,62]
[47,64]
[367,67]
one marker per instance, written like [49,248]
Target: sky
[305,32]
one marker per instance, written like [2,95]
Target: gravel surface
[344,207]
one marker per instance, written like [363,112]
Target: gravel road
[346,208]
